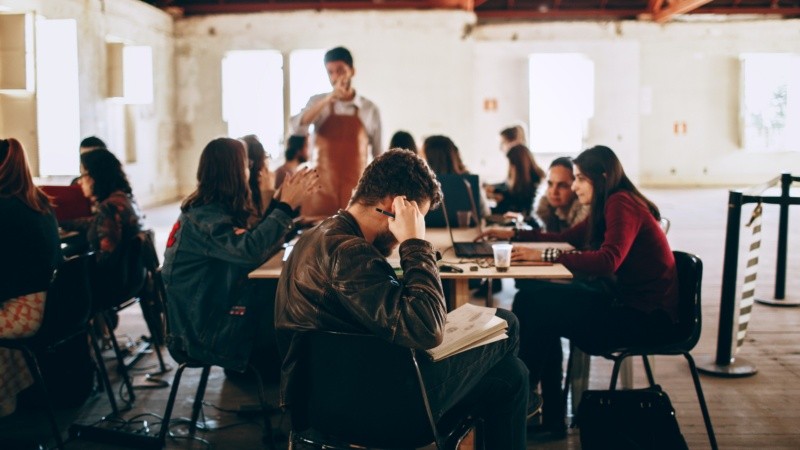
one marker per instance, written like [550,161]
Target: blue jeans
[490,378]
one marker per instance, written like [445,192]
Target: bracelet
[551,254]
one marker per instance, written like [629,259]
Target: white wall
[148,131]
[429,72]
[416,66]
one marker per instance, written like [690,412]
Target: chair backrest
[665,224]
[361,390]
[132,268]
[456,190]
[69,300]
[690,278]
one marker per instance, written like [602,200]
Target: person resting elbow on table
[626,289]
[216,315]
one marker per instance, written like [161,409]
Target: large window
[308,77]
[770,101]
[57,96]
[252,95]
[561,101]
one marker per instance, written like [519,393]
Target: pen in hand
[385,213]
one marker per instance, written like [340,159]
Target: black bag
[629,419]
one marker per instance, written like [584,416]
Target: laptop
[68,202]
[468,249]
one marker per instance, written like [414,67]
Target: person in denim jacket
[213,310]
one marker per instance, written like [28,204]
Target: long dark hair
[106,171]
[256,156]
[442,156]
[527,174]
[15,177]
[602,167]
[220,179]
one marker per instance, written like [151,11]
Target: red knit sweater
[634,250]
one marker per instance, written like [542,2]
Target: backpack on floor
[629,419]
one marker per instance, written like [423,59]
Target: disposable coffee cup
[502,256]
[464,219]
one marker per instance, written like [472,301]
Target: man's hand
[408,222]
[296,188]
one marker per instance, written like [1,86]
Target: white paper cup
[502,256]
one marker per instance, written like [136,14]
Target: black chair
[356,391]
[130,283]
[197,406]
[66,316]
[690,277]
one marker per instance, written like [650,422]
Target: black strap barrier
[724,364]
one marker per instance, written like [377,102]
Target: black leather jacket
[334,280]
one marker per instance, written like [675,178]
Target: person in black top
[31,253]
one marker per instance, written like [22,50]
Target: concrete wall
[141,132]
[429,72]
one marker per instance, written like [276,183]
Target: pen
[385,213]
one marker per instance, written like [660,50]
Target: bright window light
[770,99]
[561,101]
[137,62]
[57,97]
[308,77]
[252,95]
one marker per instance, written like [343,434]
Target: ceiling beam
[561,14]
[677,7]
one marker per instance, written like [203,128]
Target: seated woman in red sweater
[625,289]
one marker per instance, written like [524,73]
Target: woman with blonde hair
[31,253]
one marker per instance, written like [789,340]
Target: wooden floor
[759,411]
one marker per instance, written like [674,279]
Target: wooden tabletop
[473,268]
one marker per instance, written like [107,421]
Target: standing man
[346,127]
[337,279]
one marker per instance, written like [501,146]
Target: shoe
[534,406]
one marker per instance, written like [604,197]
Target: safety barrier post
[724,364]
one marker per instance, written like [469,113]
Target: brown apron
[341,143]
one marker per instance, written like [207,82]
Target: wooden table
[459,282]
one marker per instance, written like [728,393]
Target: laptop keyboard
[472,249]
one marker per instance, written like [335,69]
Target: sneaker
[534,406]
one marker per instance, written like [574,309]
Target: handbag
[629,419]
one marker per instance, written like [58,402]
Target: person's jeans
[490,378]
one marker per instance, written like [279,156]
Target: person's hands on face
[408,221]
[340,74]
[496,234]
[525,254]
[296,188]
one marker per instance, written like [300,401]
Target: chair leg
[648,370]
[712,438]
[101,367]
[568,379]
[33,366]
[198,399]
[162,433]
[121,367]
[268,436]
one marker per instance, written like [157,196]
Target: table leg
[459,292]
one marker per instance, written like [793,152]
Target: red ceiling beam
[240,8]
[677,7]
